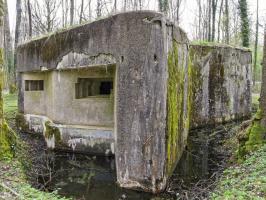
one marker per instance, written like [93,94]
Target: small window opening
[87,87]
[34,85]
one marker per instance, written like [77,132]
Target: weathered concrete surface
[89,139]
[222,79]
[156,89]
[138,43]
[57,101]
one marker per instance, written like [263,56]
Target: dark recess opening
[106,87]
[34,85]
[87,87]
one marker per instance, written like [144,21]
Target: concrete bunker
[125,85]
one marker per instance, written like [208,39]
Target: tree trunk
[178,5]
[163,5]
[48,17]
[209,19]
[2,135]
[71,12]
[200,20]
[8,49]
[30,17]
[90,11]
[227,39]
[214,8]
[219,20]
[115,6]
[81,11]
[18,22]
[17,32]
[245,32]
[263,84]
[256,44]
[99,8]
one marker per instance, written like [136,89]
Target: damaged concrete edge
[138,186]
[93,139]
[219,45]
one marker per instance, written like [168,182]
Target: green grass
[13,184]
[10,106]
[246,180]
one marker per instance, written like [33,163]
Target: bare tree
[219,20]
[178,6]
[18,22]
[263,85]
[214,9]
[45,16]
[17,31]
[30,17]
[226,22]
[8,48]
[163,5]
[81,11]
[71,12]
[99,8]
[256,44]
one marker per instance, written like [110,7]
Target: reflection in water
[89,177]
[206,153]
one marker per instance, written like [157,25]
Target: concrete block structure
[123,85]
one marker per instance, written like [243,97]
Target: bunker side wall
[221,84]
[178,96]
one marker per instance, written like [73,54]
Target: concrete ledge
[87,139]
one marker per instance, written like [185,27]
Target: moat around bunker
[94,177]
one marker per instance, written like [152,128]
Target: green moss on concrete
[50,47]
[195,78]
[21,122]
[253,137]
[178,121]
[52,131]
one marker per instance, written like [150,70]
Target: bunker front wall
[221,82]
[140,45]
[58,99]
[83,125]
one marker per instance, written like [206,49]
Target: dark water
[89,177]
[206,152]
[94,178]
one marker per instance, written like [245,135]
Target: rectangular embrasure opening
[91,87]
[34,85]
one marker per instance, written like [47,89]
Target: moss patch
[178,111]
[7,136]
[52,131]
[253,137]
[21,122]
